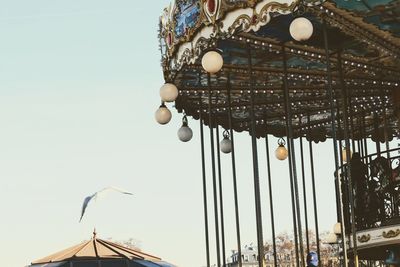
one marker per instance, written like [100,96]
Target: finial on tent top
[94,233]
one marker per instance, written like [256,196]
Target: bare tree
[285,250]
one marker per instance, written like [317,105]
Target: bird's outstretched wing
[113,188]
[89,198]
[85,204]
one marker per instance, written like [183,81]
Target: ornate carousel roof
[94,250]
[364,64]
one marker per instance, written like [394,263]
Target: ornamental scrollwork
[364,238]
[391,234]
[182,23]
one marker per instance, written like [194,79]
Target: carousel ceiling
[259,53]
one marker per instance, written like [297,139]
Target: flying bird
[95,195]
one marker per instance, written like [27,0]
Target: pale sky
[79,84]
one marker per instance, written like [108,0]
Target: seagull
[95,195]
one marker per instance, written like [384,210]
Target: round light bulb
[281,152]
[337,229]
[163,115]
[185,134]
[168,92]
[331,238]
[344,155]
[212,62]
[301,29]
[226,145]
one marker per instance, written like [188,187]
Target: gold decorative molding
[364,238]
[391,233]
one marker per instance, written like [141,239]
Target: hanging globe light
[168,92]
[226,143]
[185,133]
[212,61]
[281,152]
[301,29]
[163,115]
[344,154]
[337,228]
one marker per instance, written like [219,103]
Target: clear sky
[79,85]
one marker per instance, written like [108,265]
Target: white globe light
[337,229]
[168,92]
[331,238]
[281,152]
[226,145]
[344,155]
[212,62]
[163,115]
[185,134]
[301,29]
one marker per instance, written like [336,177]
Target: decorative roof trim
[188,49]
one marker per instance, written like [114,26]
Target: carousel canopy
[354,46]
[90,253]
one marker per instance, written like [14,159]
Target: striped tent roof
[98,249]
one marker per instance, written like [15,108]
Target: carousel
[306,72]
[97,252]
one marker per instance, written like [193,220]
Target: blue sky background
[79,85]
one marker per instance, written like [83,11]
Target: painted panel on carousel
[187,17]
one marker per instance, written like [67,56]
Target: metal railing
[376,189]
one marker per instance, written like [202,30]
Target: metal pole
[352,130]
[348,156]
[271,203]
[234,180]
[221,200]
[333,127]
[364,125]
[359,122]
[292,155]
[339,203]
[295,226]
[210,124]
[304,193]
[338,191]
[203,168]
[376,129]
[314,195]
[385,125]
[260,242]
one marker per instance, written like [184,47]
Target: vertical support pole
[271,203]
[203,169]
[303,176]
[211,124]
[339,200]
[260,241]
[352,130]
[314,192]
[234,178]
[345,97]
[376,129]
[221,200]
[292,157]
[338,191]
[332,109]
[364,125]
[385,125]
[361,135]
[294,207]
